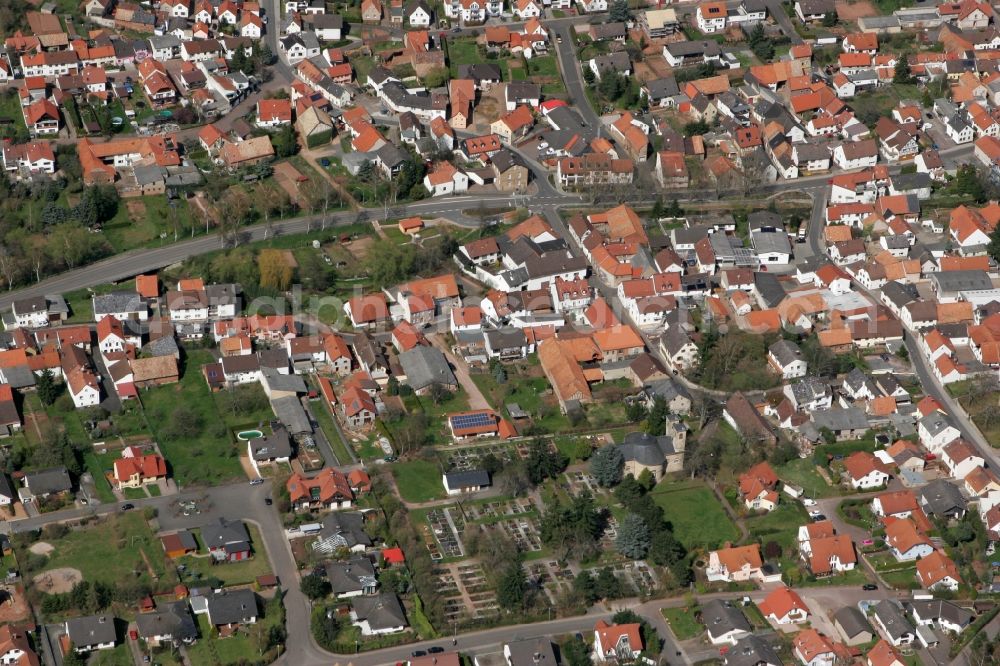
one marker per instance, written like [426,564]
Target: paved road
[132,263]
[569,65]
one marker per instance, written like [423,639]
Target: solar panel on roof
[477,420]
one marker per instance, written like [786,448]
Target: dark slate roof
[382,611]
[425,366]
[46,481]
[118,301]
[347,526]
[941,498]
[218,534]
[91,630]
[721,617]
[852,621]
[646,449]
[475,477]
[351,576]
[232,606]
[171,619]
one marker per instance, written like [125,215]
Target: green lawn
[902,579]
[118,656]
[683,623]
[802,472]
[780,525]
[321,410]
[418,480]
[236,649]
[230,573]
[465,51]
[111,550]
[96,469]
[527,392]
[696,515]
[134,493]
[210,457]
[543,66]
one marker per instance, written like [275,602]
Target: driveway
[476,398]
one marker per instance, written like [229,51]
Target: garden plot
[635,577]
[490,511]
[560,577]
[441,533]
[579,482]
[464,460]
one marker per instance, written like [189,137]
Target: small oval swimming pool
[247,435]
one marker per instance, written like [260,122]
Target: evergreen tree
[47,388]
[619,12]
[511,587]
[902,73]
[586,587]
[607,465]
[633,537]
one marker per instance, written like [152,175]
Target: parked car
[418,653]
[808,502]
[818,517]
[128,506]
[256,482]
[869,586]
[437,649]
[268,501]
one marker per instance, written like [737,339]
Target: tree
[829,19]
[664,549]
[325,627]
[968,183]
[437,77]
[656,422]
[544,462]
[314,587]
[73,658]
[697,127]
[588,76]
[284,142]
[607,465]
[902,73]
[760,44]
[619,12]
[47,388]
[575,652]
[585,586]
[439,393]
[607,585]
[633,537]
[635,411]
[511,587]
[275,273]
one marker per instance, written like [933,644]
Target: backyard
[243,647]
[697,517]
[199,447]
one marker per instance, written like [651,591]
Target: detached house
[327,490]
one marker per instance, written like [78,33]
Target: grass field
[697,516]
[210,456]
[418,480]
[111,551]
[683,623]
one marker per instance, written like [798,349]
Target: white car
[256,482]
[808,502]
[814,513]
[542,145]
